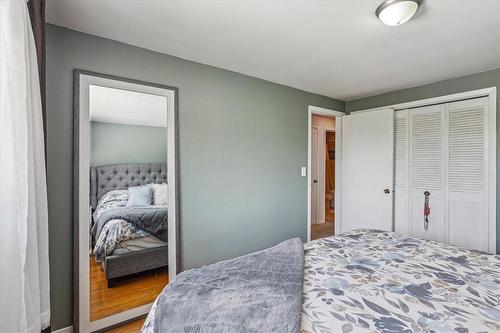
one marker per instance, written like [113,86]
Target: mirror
[126,225]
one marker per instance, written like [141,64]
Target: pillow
[160,193]
[139,195]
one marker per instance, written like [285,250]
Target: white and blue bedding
[373,281]
[114,222]
[370,281]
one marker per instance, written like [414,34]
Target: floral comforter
[373,281]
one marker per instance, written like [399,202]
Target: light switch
[303,171]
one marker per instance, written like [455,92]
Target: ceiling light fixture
[396,12]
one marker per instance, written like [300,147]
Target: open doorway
[323,159]
[330,177]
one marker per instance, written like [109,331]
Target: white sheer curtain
[24,257]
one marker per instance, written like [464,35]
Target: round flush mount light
[396,12]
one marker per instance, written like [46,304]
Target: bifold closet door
[467,186]
[401,169]
[443,149]
[366,174]
[426,172]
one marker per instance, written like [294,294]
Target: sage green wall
[482,80]
[241,143]
[118,143]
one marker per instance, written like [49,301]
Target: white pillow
[160,194]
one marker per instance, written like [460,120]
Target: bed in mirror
[126,226]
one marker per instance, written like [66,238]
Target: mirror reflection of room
[322,176]
[128,199]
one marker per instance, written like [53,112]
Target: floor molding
[68,329]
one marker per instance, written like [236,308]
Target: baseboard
[68,329]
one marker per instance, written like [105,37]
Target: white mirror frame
[81,286]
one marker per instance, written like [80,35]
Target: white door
[444,149]
[314,175]
[367,165]
[427,171]
[467,186]
[401,171]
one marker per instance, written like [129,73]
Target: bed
[140,242]
[359,281]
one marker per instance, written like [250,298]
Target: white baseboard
[68,329]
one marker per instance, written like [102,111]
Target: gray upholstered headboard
[120,176]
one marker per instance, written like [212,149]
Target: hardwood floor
[326,229]
[321,230]
[132,327]
[127,293]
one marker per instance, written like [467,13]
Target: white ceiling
[334,48]
[110,105]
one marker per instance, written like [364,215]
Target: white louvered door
[401,163]
[443,149]
[467,190]
[426,157]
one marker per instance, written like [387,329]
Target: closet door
[427,171]
[467,184]
[401,171]
[367,166]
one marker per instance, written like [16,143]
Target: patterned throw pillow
[160,194]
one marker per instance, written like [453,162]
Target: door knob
[315,181]
[387,191]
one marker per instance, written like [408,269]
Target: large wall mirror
[126,225]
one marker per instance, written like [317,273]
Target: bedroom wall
[235,151]
[482,80]
[118,143]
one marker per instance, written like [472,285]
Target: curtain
[36,8]
[24,266]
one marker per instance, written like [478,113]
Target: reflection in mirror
[127,206]
[128,198]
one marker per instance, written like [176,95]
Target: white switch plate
[303,171]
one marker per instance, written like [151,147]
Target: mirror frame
[81,141]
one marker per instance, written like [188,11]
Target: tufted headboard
[120,176]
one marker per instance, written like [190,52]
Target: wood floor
[127,293]
[326,229]
[132,327]
[321,230]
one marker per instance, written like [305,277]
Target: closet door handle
[387,191]
[315,181]
[427,210]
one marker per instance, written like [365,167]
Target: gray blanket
[259,292]
[150,219]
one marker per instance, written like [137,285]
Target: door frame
[315,110]
[491,94]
